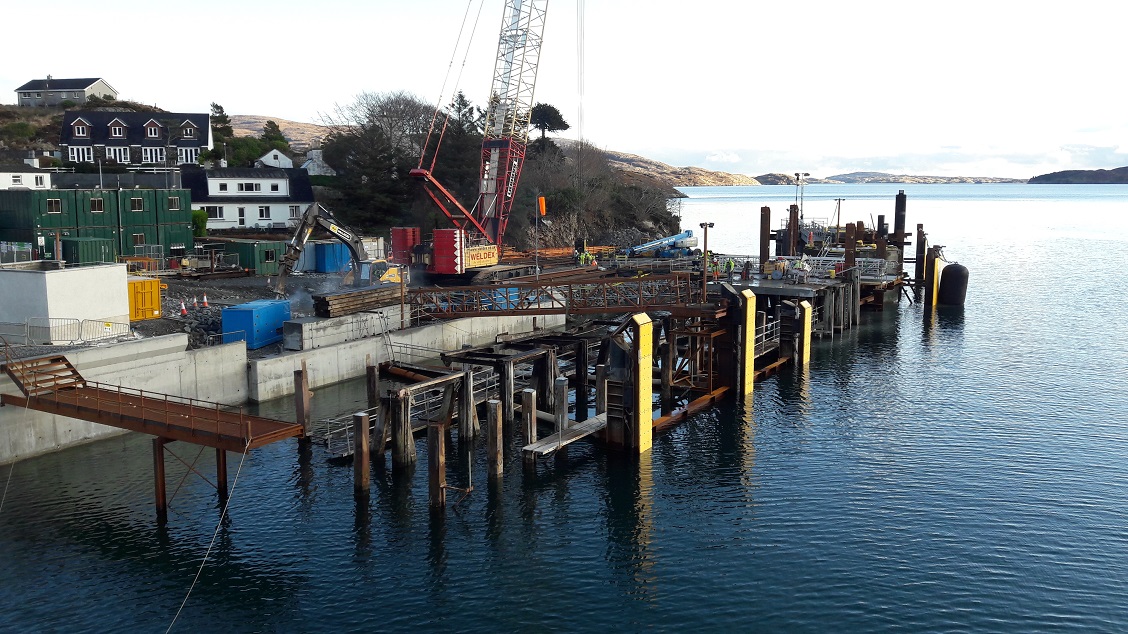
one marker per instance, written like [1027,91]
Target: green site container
[176,238]
[80,251]
[96,208]
[137,207]
[174,206]
[258,255]
[30,209]
[43,240]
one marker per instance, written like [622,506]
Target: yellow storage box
[145,298]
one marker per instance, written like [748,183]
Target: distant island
[882,177]
[1117,176]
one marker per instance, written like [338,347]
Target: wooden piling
[371,382]
[302,408]
[507,390]
[560,405]
[436,461]
[793,230]
[582,363]
[403,443]
[529,422]
[921,247]
[765,236]
[600,389]
[361,459]
[467,419]
[494,455]
[221,473]
[160,497]
[851,244]
[380,432]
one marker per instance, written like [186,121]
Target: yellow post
[748,354]
[805,313]
[643,423]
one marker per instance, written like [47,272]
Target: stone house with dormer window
[135,139]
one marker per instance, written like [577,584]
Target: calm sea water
[958,471]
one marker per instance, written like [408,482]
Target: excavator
[365,271]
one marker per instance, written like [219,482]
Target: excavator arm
[317,216]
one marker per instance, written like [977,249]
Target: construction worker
[715,267]
[730,266]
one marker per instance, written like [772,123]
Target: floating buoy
[953,285]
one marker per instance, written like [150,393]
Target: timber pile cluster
[355,300]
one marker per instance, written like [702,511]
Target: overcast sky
[958,88]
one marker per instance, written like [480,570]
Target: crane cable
[457,82]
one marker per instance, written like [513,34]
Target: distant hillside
[880,177]
[674,176]
[1117,176]
[298,134]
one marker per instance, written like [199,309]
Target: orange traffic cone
[183,309]
[205,300]
[195,303]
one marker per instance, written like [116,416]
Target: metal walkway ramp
[53,385]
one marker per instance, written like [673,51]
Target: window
[275,157]
[153,155]
[138,238]
[215,212]
[17,179]
[117,131]
[189,133]
[250,187]
[137,204]
[174,203]
[39,181]
[38,95]
[97,205]
[295,211]
[118,154]
[187,154]
[269,255]
[81,154]
[153,132]
[80,130]
[264,212]
[54,206]
[274,187]
[223,187]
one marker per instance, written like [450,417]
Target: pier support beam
[403,443]
[507,390]
[560,404]
[371,383]
[467,409]
[529,421]
[600,389]
[221,473]
[494,451]
[582,363]
[380,434]
[362,461]
[641,422]
[750,320]
[803,346]
[302,396]
[765,236]
[436,462]
[160,497]
[931,278]
[921,248]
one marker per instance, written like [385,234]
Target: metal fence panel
[13,333]
[53,330]
[94,330]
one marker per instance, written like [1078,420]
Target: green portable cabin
[176,239]
[96,208]
[260,256]
[42,240]
[137,207]
[31,209]
[137,235]
[79,251]
[173,206]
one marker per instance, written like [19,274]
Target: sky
[986,88]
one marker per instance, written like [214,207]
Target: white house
[315,164]
[236,198]
[22,176]
[274,158]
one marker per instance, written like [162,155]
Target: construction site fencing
[225,337]
[14,252]
[68,331]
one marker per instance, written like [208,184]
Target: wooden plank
[566,437]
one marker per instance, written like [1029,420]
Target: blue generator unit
[259,323]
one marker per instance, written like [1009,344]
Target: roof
[60,84]
[99,122]
[19,168]
[195,179]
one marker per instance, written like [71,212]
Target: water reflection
[628,496]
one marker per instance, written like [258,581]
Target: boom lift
[510,105]
[676,246]
[363,267]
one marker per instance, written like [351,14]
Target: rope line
[200,571]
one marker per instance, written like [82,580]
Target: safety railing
[767,337]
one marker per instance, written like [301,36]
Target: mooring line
[219,525]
